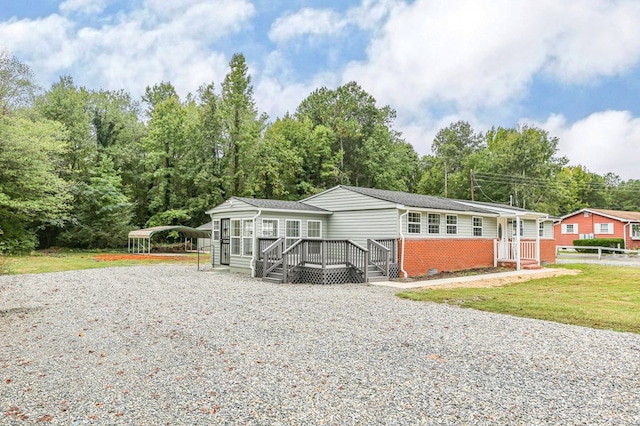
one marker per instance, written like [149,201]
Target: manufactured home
[352,234]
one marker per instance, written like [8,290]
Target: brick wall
[457,254]
[586,226]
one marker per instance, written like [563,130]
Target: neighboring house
[599,223]
[351,234]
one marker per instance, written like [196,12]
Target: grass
[603,297]
[58,261]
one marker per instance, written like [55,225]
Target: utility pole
[471,181]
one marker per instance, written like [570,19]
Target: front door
[504,238]
[225,245]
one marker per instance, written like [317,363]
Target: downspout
[252,263]
[402,238]
[624,232]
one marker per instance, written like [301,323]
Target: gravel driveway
[170,345]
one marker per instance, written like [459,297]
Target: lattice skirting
[394,270]
[328,276]
[259,268]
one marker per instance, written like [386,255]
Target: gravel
[170,345]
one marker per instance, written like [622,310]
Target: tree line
[81,168]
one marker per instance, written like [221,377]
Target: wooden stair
[275,276]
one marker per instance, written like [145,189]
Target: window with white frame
[314,229]
[569,228]
[604,228]
[414,222]
[433,223]
[477,227]
[270,228]
[215,230]
[247,237]
[452,224]
[292,231]
[635,230]
[541,229]
[236,233]
[514,223]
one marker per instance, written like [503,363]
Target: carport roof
[188,231]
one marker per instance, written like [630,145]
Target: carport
[140,240]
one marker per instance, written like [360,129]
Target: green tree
[101,216]
[32,195]
[17,87]
[241,127]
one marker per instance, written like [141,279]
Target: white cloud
[83,6]
[482,54]
[131,51]
[603,142]
[306,22]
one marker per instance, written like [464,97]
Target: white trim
[564,229]
[447,224]
[238,237]
[214,230]
[277,228]
[286,228]
[610,228]
[314,221]
[474,227]
[245,237]
[409,222]
[439,216]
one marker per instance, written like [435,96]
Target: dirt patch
[504,280]
[113,257]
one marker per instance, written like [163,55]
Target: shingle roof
[620,214]
[417,200]
[279,204]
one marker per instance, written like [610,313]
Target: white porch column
[517,243]
[538,240]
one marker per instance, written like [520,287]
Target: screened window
[414,223]
[541,229]
[635,230]
[434,223]
[215,231]
[269,228]
[247,237]
[314,229]
[477,227]
[235,237]
[452,224]
[292,231]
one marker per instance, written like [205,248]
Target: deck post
[323,254]
[495,253]
[366,266]
[285,267]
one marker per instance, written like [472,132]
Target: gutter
[252,263]
[403,239]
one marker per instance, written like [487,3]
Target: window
[514,224]
[292,231]
[314,229]
[541,229]
[247,237]
[635,230]
[433,223]
[235,237]
[569,228]
[452,224]
[215,231]
[604,228]
[414,223]
[477,227]
[269,228]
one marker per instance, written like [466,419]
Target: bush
[598,242]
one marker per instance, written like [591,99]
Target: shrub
[598,242]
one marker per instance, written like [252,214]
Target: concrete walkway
[442,281]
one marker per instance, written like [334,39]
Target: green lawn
[41,262]
[604,297]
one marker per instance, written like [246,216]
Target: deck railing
[509,251]
[271,255]
[379,255]
[392,245]
[319,253]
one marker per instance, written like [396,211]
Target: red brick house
[598,223]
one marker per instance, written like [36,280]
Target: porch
[326,261]
[520,254]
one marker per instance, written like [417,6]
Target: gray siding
[363,224]
[340,199]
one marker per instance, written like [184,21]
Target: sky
[569,67]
